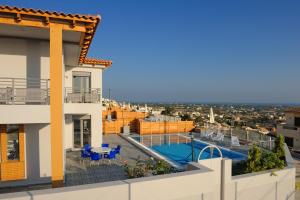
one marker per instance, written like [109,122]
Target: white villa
[50,93]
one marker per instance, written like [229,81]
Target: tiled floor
[78,173]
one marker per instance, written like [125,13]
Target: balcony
[22,91]
[82,95]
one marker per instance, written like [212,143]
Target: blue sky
[194,51]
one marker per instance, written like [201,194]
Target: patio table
[101,149]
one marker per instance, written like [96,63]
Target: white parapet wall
[207,180]
[116,190]
[202,183]
[267,185]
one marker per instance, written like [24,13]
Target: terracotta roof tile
[94,61]
[4,8]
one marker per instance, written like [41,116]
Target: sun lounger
[219,137]
[235,141]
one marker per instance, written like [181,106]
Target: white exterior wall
[92,109]
[96,122]
[20,58]
[96,75]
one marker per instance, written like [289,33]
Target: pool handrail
[212,147]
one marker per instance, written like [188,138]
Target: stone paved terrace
[78,173]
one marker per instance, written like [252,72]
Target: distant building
[291,128]
[116,118]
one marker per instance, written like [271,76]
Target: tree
[198,119]
[279,147]
[168,111]
[186,117]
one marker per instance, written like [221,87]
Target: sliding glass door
[82,131]
[81,81]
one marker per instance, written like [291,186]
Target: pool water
[181,153]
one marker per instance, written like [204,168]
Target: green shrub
[254,159]
[161,167]
[259,160]
[271,161]
[149,167]
[136,171]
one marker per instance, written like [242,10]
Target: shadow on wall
[33,50]
[33,63]
[32,151]
[38,153]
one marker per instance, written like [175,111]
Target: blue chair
[87,148]
[95,157]
[117,150]
[105,145]
[110,156]
[84,155]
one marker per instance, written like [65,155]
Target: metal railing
[159,139]
[246,138]
[24,91]
[82,95]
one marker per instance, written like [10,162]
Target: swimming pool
[181,153]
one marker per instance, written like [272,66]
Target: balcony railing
[37,91]
[82,95]
[24,91]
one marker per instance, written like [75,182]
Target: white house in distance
[291,128]
[50,93]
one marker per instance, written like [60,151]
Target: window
[297,121]
[289,141]
[12,142]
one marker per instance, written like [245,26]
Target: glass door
[82,131]
[86,131]
[81,81]
[77,134]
